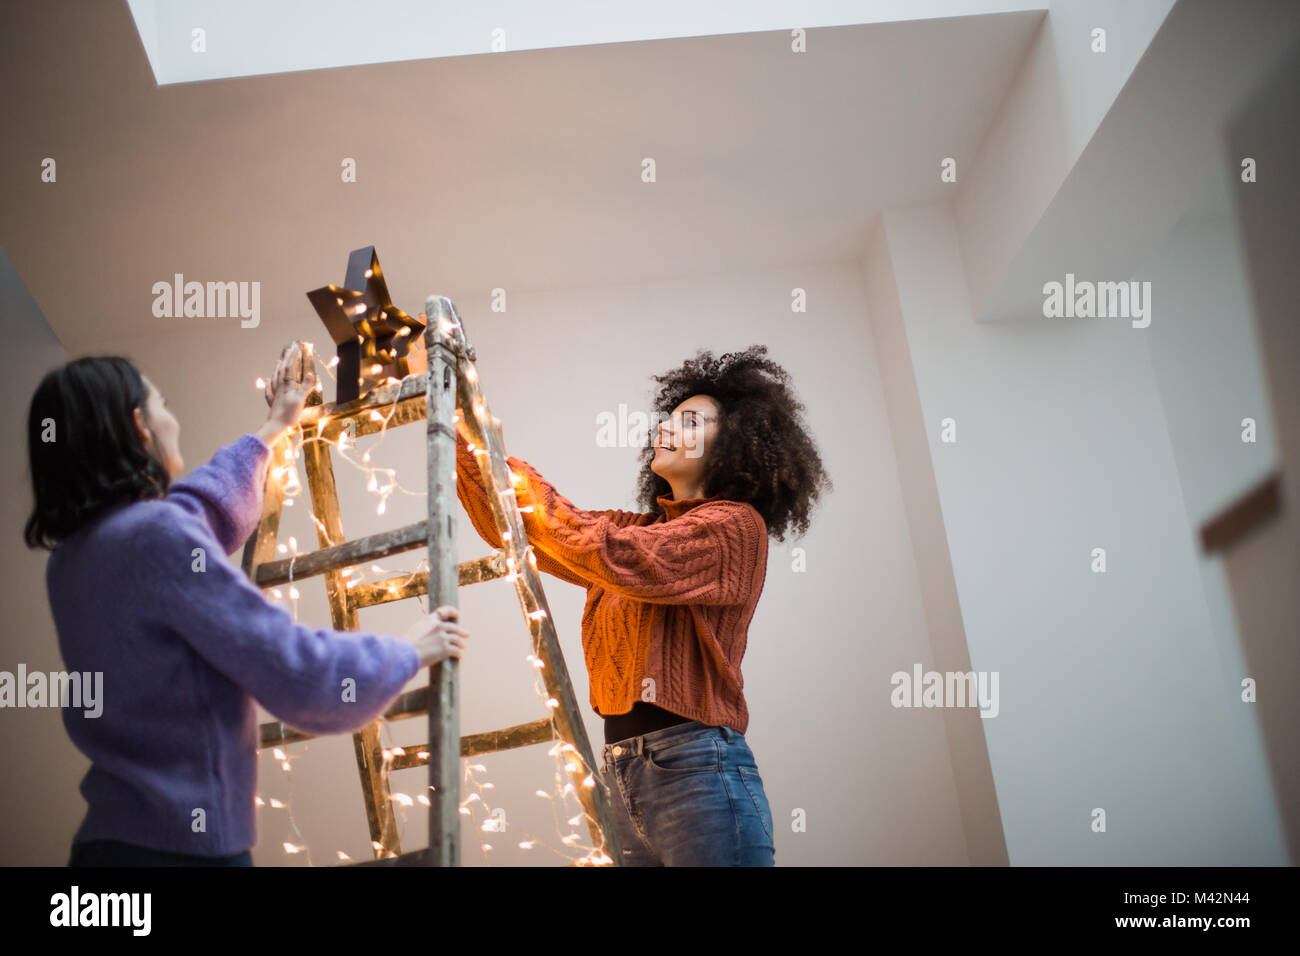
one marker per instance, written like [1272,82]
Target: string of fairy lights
[565,755]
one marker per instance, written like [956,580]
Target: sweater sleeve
[226,492]
[319,681]
[474,497]
[701,557]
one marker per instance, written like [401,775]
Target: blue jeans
[116,853]
[688,795]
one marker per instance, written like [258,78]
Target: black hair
[762,452]
[84,453]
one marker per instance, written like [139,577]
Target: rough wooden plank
[473,745]
[415,703]
[329,532]
[260,547]
[343,555]
[495,472]
[407,586]
[1252,510]
[378,398]
[444,702]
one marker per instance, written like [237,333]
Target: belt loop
[726,734]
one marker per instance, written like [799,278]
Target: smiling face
[160,431]
[682,445]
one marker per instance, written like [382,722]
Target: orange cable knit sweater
[669,599]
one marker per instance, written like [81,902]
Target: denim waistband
[637,744]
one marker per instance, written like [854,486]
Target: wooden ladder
[428,397]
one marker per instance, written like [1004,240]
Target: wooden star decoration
[371,334]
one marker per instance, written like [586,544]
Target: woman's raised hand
[288,389]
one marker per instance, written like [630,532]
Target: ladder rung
[343,555]
[509,738]
[405,586]
[410,704]
[381,399]
[413,703]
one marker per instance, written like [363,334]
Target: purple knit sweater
[185,650]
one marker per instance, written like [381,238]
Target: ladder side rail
[443,581]
[593,795]
[367,746]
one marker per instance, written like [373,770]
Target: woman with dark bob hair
[145,601]
[670,594]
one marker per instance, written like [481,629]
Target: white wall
[1206,363]
[1111,683]
[38,796]
[1057,102]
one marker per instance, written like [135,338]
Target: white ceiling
[189,40]
[519,171]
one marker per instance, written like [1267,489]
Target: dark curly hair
[84,453]
[762,453]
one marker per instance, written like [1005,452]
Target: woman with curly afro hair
[671,591]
